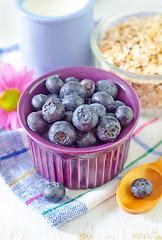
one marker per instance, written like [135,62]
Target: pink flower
[12,84]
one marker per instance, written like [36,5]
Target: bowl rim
[98,55]
[69,150]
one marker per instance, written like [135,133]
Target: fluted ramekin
[79,168]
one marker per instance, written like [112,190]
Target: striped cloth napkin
[18,172]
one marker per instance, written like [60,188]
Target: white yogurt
[53,8]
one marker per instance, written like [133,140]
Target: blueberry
[101,110]
[45,133]
[113,106]
[103,98]
[53,110]
[107,86]
[88,100]
[53,96]
[110,114]
[86,139]
[35,122]
[68,116]
[141,188]
[71,102]
[54,84]
[38,101]
[108,128]
[89,85]
[62,133]
[85,118]
[124,114]
[73,87]
[69,79]
[54,191]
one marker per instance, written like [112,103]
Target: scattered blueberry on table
[141,188]
[54,191]
[79,112]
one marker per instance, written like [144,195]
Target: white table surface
[106,221]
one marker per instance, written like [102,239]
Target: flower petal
[24,78]
[3,119]
[7,76]
[10,78]
[13,122]
[3,85]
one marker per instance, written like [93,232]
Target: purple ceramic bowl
[79,168]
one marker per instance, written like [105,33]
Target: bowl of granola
[129,45]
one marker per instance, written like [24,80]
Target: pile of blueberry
[79,113]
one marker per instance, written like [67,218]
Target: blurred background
[102,8]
